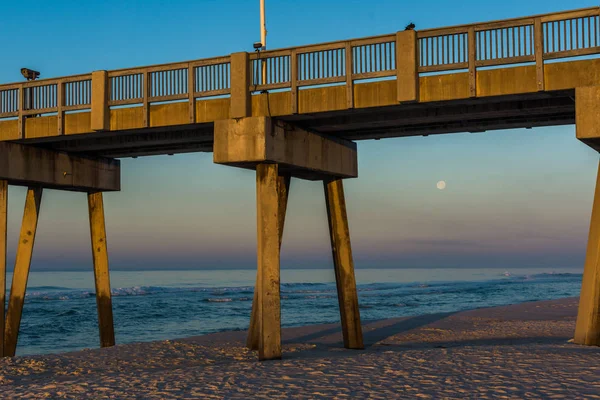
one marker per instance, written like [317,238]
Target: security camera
[258,45]
[30,74]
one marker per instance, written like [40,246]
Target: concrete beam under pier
[24,165]
[248,142]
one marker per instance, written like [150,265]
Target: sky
[514,199]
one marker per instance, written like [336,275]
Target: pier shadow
[491,341]
[373,331]
[376,335]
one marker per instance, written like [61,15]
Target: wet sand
[513,352]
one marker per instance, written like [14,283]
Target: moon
[441,185]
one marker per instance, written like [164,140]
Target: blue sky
[518,198]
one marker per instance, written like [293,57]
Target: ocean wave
[542,275]
[70,295]
[305,290]
[42,288]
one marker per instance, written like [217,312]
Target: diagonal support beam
[101,272]
[3,229]
[21,271]
[283,190]
[343,263]
[587,328]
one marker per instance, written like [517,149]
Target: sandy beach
[512,352]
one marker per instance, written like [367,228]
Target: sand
[513,352]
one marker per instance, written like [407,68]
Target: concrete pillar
[407,66]
[21,271]
[343,264]
[101,273]
[267,216]
[587,328]
[241,105]
[3,228]
[283,183]
[100,114]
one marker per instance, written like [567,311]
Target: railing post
[472,38]
[60,103]
[241,105]
[538,37]
[407,66]
[294,80]
[191,90]
[349,81]
[100,118]
[21,104]
[145,96]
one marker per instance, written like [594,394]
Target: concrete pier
[302,121]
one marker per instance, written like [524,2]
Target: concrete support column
[283,187]
[101,272]
[21,271]
[587,329]
[343,264]
[3,228]
[278,151]
[267,217]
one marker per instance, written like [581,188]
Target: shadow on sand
[373,331]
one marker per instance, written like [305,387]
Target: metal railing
[558,35]
[169,82]
[468,47]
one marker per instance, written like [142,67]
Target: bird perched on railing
[409,27]
[28,94]
[30,74]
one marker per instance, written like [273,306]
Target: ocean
[60,308]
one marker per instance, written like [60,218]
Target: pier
[295,113]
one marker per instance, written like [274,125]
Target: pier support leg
[343,264]
[101,274]
[283,183]
[21,271]
[269,307]
[587,329]
[3,228]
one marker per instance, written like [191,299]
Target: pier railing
[468,47]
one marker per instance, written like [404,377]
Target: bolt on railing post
[472,39]
[191,89]
[21,105]
[349,81]
[60,103]
[538,38]
[294,80]
[145,97]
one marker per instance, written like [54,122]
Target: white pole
[263,25]
[263,38]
